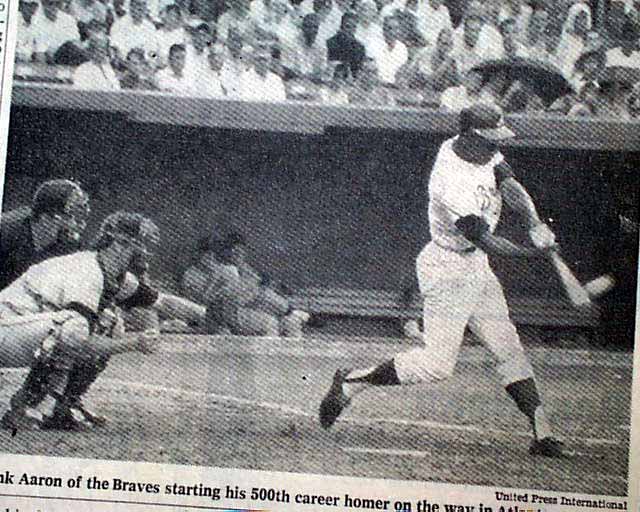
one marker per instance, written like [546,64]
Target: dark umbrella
[546,80]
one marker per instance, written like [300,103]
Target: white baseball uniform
[456,282]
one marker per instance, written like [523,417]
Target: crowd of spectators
[377,52]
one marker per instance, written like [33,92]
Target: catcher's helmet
[131,228]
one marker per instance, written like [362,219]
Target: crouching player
[59,319]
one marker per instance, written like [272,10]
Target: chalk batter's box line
[127,502]
[120,385]
[337,348]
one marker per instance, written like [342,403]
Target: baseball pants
[21,336]
[460,290]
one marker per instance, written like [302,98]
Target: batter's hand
[543,238]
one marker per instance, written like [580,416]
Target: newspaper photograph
[319,255]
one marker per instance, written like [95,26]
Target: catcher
[58,318]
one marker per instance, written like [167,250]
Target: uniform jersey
[17,252]
[458,188]
[73,282]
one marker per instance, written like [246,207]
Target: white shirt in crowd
[126,35]
[369,36]
[196,64]
[26,40]
[155,7]
[305,60]
[179,85]
[388,59]
[231,70]
[615,57]
[432,21]
[210,85]
[485,49]
[51,35]
[330,26]
[257,88]
[97,77]
[455,99]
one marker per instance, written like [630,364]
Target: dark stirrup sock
[525,394]
[382,375]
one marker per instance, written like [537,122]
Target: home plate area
[252,403]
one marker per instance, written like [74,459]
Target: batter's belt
[467,250]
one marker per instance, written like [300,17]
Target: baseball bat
[578,296]
[599,286]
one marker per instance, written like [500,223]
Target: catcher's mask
[130,229]
[65,201]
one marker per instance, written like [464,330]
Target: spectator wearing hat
[97,73]
[26,39]
[344,47]
[307,57]
[390,54]
[52,28]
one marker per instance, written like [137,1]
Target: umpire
[51,226]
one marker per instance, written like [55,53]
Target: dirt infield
[252,403]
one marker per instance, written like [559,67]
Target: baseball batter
[469,183]
[58,318]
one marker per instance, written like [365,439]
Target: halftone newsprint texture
[319,255]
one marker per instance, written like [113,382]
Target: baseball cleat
[92,417]
[21,419]
[335,400]
[67,418]
[547,447]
